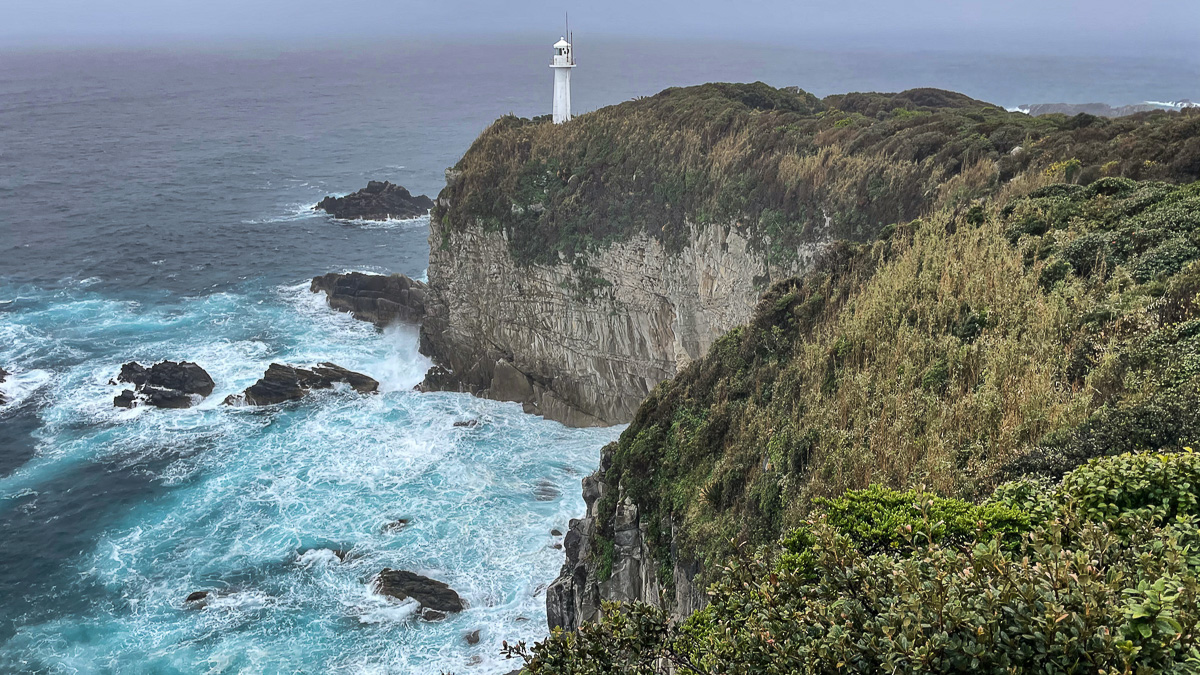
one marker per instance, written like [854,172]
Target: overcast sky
[1047,26]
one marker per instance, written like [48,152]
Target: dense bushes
[879,519]
[936,357]
[782,165]
[1104,581]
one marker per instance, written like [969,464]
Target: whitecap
[20,385]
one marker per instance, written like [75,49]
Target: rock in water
[434,596]
[168,384]
[3,376]
[288,383]
[377,298]
[377,201]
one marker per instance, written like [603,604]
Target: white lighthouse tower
[564,61]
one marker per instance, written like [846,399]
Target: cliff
[609,270]
[539,335]
[954,353]
[575,266]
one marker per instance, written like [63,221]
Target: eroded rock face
[289,383]
[380,299]
[435,597]
[584,356]
[575,597]
[167,384]
[377,201]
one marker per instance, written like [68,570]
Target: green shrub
[1156,487]
[1105,582]
[882,519]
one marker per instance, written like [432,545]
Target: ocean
[155,203]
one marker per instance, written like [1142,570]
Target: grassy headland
[782,165]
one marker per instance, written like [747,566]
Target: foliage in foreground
[1104,580]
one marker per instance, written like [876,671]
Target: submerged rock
[435,597]
[467,423]
[396,525]
[289,383]
[377,201]
[545,491]
[3,376]
[380,299]
[472,638]
[167,384]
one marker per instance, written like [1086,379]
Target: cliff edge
[575,266]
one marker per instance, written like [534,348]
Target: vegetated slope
[953,353]
[782,165]
[1097,574]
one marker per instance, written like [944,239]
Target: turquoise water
[119,514]
[155,204]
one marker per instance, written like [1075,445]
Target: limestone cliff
[574,267]
[576,595]
[584,350]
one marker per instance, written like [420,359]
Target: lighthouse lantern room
[564,61]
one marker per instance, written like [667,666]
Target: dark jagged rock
[167,384]
[3,376]
[288,383]
[126,399]
[380,299]
[396,525]
[434,596]
[467,423]
[199,599]
[377,201]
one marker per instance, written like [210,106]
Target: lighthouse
[563,62]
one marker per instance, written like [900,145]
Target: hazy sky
[1049,26]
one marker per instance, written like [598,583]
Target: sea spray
[281,514]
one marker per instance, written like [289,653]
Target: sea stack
[168,384]
[378,201]
[289,383]
[380,299]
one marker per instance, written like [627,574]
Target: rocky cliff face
[583,344]
[576,595]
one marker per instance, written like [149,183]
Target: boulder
[167,384]
[377,201]
[472,638]
[378,298]
[434,596]
[289,383]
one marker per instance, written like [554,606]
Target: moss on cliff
[957,351]
[783,165]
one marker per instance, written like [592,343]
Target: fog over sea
[156,204]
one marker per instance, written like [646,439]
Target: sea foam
[250,504]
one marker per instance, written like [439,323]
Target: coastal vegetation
[781,165]
[955,353]
[956,443]
[960,446]
[1097,574]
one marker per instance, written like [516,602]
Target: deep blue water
[154,204]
